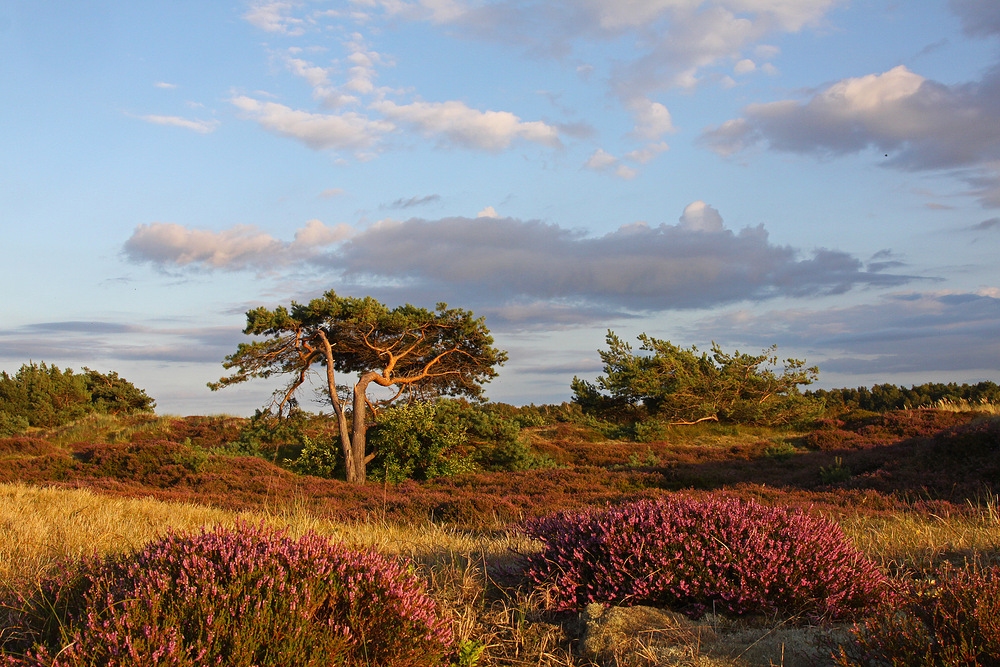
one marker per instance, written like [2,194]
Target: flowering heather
[235,597]
[951,619]
[739,555]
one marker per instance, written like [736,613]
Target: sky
[820,175]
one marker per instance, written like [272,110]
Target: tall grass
[962,405]
[918,542]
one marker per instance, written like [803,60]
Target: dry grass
[963,405]
[915,542]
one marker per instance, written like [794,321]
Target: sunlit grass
[962,405]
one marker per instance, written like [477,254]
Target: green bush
[46,396]
[11,424]
[414,442]
[683,386]
[239,597]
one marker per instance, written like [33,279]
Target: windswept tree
[409,351]
[683,386]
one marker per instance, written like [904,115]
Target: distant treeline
[884,397]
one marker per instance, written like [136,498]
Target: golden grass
[916,541]
[40,525]
[963,405]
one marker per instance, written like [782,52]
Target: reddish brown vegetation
[882,463]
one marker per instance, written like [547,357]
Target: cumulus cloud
[888,336]
[488,212]
[346,131]
[700,217]
[242,247]
[457,124]
[200,126]
[899,113]
[652,119]
[600,159]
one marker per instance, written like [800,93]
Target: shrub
[953,619]
[237,597]
[411,442]
[12,424]
[740,556]
[46,396]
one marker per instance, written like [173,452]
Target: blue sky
[823,175]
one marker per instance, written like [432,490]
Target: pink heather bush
[952,619]
[235,597]
[739,556]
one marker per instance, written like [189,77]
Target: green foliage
[11,424]
[836,473]
[411,442]
[317,458]
[44,396]
[651,430]
[113,395]
[681,386]
[494,435]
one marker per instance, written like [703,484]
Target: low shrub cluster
[738,556]
[239,597]
[951,619]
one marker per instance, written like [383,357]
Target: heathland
[906,499]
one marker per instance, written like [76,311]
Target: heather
[716,553]
[241,596]
[949,617]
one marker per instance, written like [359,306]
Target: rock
[633,636]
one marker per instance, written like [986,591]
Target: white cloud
[745,66]
[458,124]
[200,126]
[241,247]
[330,193]
[911,119]
[165,85]
[317,131]
[315,234]
[488,212]
[274,16]
[700,217]
[648,152]
[625,172]
[652,119]
[600,159]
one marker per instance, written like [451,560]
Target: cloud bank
[889,336]
[694,263]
